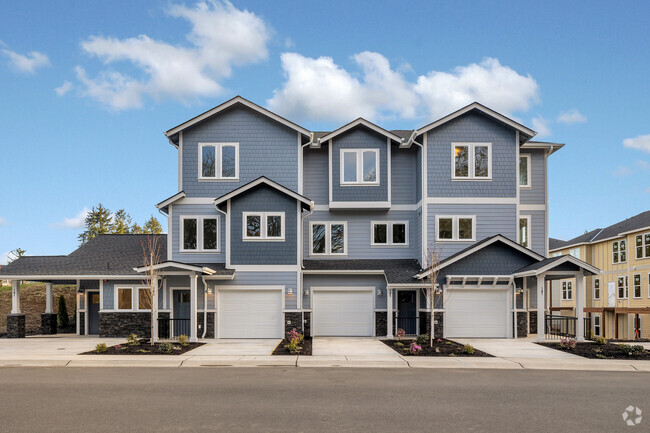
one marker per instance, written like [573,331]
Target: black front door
[407,311]
[181,306]
[93,313]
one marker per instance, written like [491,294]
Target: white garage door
[250,313]
[477,313]
[343,313]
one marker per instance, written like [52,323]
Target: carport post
[48,298]
[15,297]
[541,308]
[580,325]
[193,307]
[389,312]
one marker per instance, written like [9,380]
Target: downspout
[302,266]
[205,307]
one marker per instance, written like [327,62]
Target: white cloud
[541,126]
[321,89]
[76,222]
[642,142]
[26,63]
[571,116]
[3,222]
[289,43]
[63,88]
[4,258]
[222,37]
[621,171]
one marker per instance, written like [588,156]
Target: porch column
[580,325]
[193,307]
[15,320]
[48,319]
[15,297]
[389,313]
[154,308]
[48,298]
[541,307]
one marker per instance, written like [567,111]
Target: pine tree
[136,229]
[152,226]
[98,222]
[121,223]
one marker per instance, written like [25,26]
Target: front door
[407,311]
[181,311]
[93,313]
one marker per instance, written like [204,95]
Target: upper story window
[524,231]
[556,254]
[623,289]
[328,238]
[596,288]
[199,234]
[219,161]
[619,251]
[524,171]
[359,166]
[471,161]
[567,290]
[575,252]
[642,244]
[263,226]
[636,279]
[389,233]
[460,228]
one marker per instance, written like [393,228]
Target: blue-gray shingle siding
[109,291]
[537,230]
[536,194]
[181,210]
[404,175]
[315,175]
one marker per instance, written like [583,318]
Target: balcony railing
[557,327]
[173,328]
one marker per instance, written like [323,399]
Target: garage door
[250,313]
[343,313]
[476,313]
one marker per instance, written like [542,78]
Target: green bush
[399,344]
[166,347]
[601,341]
[132,340]
[101,347]
[183,340]
[631,350]
[62,317]
[422,339]
[468,349]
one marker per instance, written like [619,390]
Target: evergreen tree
[62,316]
[136,229]
[152,226]
[121,223]
[98,222]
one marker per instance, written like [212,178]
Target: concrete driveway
[344,346]
[515,348]
[254,347]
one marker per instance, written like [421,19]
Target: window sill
[389,245]
[360,184]
[327,255]
[262,240]
[199,252]
[455,241]
[224,179]
[525,186]
[473,179]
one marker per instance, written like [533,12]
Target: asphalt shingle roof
[397,271]
[555,243]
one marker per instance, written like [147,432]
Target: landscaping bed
[144,348]
[602,351]
[441,347]
[305,348]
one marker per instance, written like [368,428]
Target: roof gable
[306,203]
[316,141]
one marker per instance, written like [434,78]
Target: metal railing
[408,323]
[556,327]
[172,328]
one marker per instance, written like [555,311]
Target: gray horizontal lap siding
[344,281]
[359,138]
[266,148]
[404,175]
[315,172]
[263,279]
[536,194]
[358,234]
[491,219]
[471,128]
[537,230]
[264,199]
[180,210]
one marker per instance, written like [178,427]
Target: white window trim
[528,171]
[600,325]
[263,227]
[529,228]
[640,287]
[648,285]
[359,156]
[116,302]
[471,163]
[328,238]
[136,302]
[217,161]
[626,287]
[199,235]
[643,247]
[454,228]
[567,289]
[618,242]
[389,233]
[594,289]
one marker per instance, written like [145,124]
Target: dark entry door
[407,312]
[93,313]
[181,322]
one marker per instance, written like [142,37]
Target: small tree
[62,316]
[434,252]
[151,256]
[121,223]
[152,226]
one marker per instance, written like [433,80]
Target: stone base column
[292,320]
[381,327]
[522,324]
[48,323]
[15,326]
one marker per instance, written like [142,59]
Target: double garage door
[479,313]
[250,313]
[343,313]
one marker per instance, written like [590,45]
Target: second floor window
[575,252]
[619,251]
[524,170]
[389,233]
[359,166]
[218,161]
[567,290]
[622,286]
[455,228]
[199,234]
[471,161]
[637,285]
[328,238]
[596,288]
[263,226]
[524,231]
[642,243]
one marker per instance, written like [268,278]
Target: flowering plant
[400,334]
[295,338]
[568,343]
[415,348]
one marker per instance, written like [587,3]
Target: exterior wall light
[379,292]
[306,292]
[290,291]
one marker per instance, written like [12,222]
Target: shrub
[422,339]
[143,351]
[631,350]
[400,334]
[101,347]
[62,317]
[601,341]
[295,338]
[568,343]
[468,349]
[399,344]
[165,347]
[295,335]
[183,340]
[415,348]
[132,340]
[453,355]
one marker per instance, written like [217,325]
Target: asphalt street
[294,399]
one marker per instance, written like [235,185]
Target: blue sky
[87,89]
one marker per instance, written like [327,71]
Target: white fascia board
[532,207]
[476,106]
[563,259]
[408,286]
[230,103]
[471,200]
[568,246]
[642,229]
[367,124]
[171,264]
[359,205]
[365,272]
[26,277]
[171,200]
[550,147]
[268,182]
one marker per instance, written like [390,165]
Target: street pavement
[316,399]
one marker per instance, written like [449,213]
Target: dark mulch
[144,348]
[305,348]
[597,351]
[445,348]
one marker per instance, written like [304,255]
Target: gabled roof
[545,145]
[396,271]
[478,246]
[163,205]
[554,243]
[579,240]
[262,180]
[172,133]
[355,123]
[553,262]
[214,269]
[525,133]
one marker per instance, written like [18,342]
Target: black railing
[172,328]
[556,327]
[408,324]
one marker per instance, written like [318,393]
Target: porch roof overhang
[398,272]
[212,270]
[557,266]
[163,206]
[482,281]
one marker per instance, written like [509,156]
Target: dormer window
[471,161]
[359,166]
[218,161]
